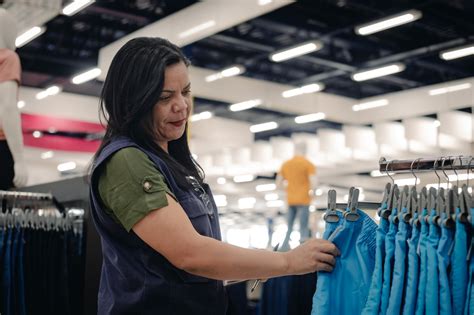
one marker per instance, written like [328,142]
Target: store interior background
[423,115]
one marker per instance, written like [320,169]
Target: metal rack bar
[429,164]
[25,195]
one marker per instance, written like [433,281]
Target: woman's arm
[170,232]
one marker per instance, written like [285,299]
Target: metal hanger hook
[468,169]
[411,169]
[435,164]
[444,172]
[454,169]
[388,174]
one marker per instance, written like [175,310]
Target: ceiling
[71,44]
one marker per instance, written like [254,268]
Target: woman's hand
[313,255]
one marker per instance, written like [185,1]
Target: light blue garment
[432,274]
[459,266]
[413,270]
[420,300]
[388,263]
[399,272]
[444,263]
[352,272]
[373,301]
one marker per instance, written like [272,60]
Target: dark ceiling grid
[344,52]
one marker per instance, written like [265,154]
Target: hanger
[465,199]
[401,203]
[352,214]
[384,203]
[331,214]
[394,192]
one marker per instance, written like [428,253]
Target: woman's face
[171,112]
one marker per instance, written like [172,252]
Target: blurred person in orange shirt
[297,176]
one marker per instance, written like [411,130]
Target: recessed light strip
[378,72]
[449,89]
[457,53]
[370,105]
[310,88]
[245,105]
[296,51]
[86,76]
[76,6]
[389,22]
[263,127]
[198,28]
[29,35]
[309,118]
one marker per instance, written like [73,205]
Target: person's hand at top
[313,255]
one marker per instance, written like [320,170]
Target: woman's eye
[187,92]
[164,98]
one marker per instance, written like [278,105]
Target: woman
[157,219]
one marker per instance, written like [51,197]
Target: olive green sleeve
[131,186]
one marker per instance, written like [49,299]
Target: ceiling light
[407,181]
[275,203]
[271,196]
[246,202]
[21,104]
[228,72]
[245,105]
[296,51]
[243,178]
[264,2]
[52,90]
[319,192]
[263,127]
[221,180]
[220,200]
[436,123]
[449,89]
[310,88]
[29,35]
[265,187]
[76,6]
[378,72]
[86,76]
[309,118]
[68,166]
[370,105]
[47,155]
[197,29]
[37,134]
[457,53]
[201,116]
[389,22]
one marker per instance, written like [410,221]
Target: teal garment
[356,242]
[373,301]
[413,272]
[399,269]
[444,265]
[388,262]
[420,300]
[469,307]
[459,266]
[432,274]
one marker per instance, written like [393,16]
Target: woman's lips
[178,123]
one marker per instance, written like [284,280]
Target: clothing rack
[25,195]
[446,163]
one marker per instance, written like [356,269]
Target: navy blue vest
[135,278]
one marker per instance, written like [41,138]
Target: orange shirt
[297,172]
[10,68]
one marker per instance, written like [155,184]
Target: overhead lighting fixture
[29,35]
[264,2]
[309,118]
[310,88]
[228,72]
[221,180]
[220,200]
[247,202]
[265,187]
[378,72]
[245,105]
[20,104]
[436,123]
[275,203]
[197,29]
[52,90]
[68,166]
[388,22]
[449,89]
[76,6]
[319,192]
[201,116]
[37,134]
[296,51]
[263,127]
[271,196]
[457,53]
[47,155]
[86,76]
[243,178]
[370,105]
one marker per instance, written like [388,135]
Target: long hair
[131,89]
